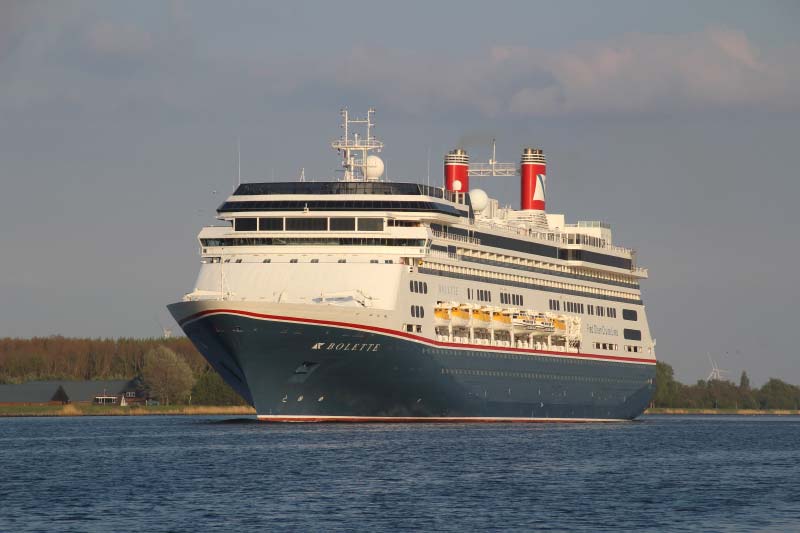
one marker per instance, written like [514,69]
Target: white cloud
[716,68]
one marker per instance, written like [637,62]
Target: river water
[210,473]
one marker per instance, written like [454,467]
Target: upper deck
[310,212]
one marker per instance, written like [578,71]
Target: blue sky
[676,122]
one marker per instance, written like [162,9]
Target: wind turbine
[716,374]
[166,332]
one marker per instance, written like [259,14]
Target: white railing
[442,255]
[456,238]
[550,236]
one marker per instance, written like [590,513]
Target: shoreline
[101,410]
[718,412]
[10,411]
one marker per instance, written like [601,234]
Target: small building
[107,392]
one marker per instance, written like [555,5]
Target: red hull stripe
[423,419]
[416,338]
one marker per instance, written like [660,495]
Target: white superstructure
[445,264]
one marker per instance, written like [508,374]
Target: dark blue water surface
[207,473]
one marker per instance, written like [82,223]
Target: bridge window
[370,224]
[270,224]
[343,224]
[630,314]
[245,224]
[306,224]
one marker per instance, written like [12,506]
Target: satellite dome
[374,167]
[479,200]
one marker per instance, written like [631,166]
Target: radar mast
[358,165]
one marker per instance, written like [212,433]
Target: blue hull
[295,371]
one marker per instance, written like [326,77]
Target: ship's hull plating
[292,369]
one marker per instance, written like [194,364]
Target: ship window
[373,260]
[342,261]
[245,224]
[270,224]
[238,260]
[293,260]
[632,334]
[267,260]
[370,224]
[315,260]
[306,224]
[388,261]
[343,224]
[630,314]
[590,309]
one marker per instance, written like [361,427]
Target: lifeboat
[501,320]
[441,314]
[521,322]
[460,315]
[543,325]
[559,326]
[481,317]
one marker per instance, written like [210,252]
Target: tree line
[723,394]
[171,369]
[174,371]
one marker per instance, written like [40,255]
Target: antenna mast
[493,168]
[355,150]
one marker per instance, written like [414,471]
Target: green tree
[166,375]
[776,394]
[666,394]
[211,389]
[747,399]
[744,382]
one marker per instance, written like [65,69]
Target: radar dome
[374,167]
[479,200]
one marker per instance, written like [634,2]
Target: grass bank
[745,412]
[111,410]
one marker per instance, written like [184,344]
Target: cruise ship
[359,299]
